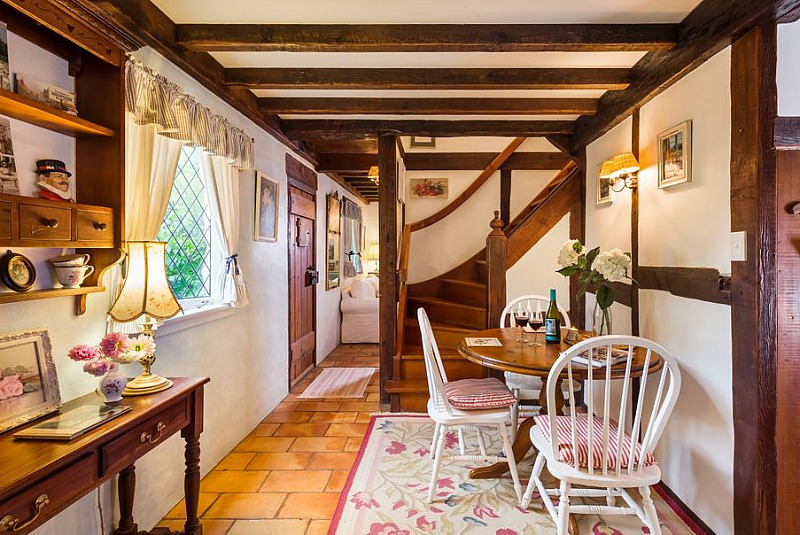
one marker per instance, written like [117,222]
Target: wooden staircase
[457,301]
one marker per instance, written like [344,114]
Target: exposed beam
[365,146]
[332,129]
[427,37]
[431,106]
[709,28]
[416,78]
[455,161]
[345,163]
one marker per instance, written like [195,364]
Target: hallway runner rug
[339,383]
[386,491]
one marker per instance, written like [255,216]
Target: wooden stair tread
[414,352]
[406,386]
[465,282]
[413,323]
[446,302]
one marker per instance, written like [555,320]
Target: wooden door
[302,335]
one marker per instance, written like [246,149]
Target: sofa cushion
[478,394]
[362,289]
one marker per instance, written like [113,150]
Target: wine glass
[536,321]
[521,317]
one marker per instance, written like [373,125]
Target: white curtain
[150,164]
[222,187]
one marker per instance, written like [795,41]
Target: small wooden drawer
[34,505]
[44,223]
[5,220]
[95,226]
[118,453]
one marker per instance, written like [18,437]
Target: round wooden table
[521,357]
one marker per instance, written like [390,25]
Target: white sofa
[360,317]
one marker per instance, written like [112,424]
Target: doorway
[302,278]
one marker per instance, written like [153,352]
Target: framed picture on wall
[675,155]
[425,142]
[266,212]
[603,188]
[428,188]
[28,380]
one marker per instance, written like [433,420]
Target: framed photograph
[333,256]
[266,212]
[428,188]
[28,380]
[5,72]
[675,155]
[423,142]
[73,423]
[603,188]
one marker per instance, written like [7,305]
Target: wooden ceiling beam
[427,37]
[708,29]
[459,161]
[335,129]
[362,146]
[421,78]
[345,163]
[430,106]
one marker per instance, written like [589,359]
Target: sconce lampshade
[146,289]
[621,164]
[373,174]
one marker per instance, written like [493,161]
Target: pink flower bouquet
[114,349]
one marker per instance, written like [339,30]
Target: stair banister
[496,245]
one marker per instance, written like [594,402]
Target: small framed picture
[675,155]
[428,188]
[424,142]
[266,212]
[28,380]
[603,188]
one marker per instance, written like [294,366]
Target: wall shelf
[47,293]
[30,111]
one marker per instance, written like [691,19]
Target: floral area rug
[386,492]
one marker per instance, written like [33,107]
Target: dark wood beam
[577,231]
[333,129]
[427,37]
[457,161]
[431,106]
[703,284]
[416,78]
[344,163]
[387,234]
[708,29]
[786,133]
[362,146]
[153,27]
[346,185]
[505,196]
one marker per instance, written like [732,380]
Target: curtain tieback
[233,259]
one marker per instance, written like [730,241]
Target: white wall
[244,353]
[686,225]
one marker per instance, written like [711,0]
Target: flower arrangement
[595,269]
[114,349]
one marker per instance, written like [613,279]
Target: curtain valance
[153,99]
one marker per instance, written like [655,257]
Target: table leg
[126,487]
[559,398]
[521,446]
[191,479]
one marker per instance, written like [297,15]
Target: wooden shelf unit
[39,114]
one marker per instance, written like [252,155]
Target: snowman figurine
[52,179]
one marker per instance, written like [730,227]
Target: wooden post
[635,236]
[577,231]
[496,244]
[505,195]
[387,222]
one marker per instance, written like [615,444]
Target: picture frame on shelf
[9,181]
[603,189]
[675,155]
[267,200]
[28,379]
[5,71]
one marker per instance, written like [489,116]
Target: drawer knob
[50,223]
[147,437]
[12,523]
[100,226]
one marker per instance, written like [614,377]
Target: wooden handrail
[472,188]
[548,190]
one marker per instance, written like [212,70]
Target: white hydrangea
[613,265]
[568,256]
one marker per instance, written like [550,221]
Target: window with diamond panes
[187,230]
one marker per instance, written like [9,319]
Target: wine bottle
[552,321]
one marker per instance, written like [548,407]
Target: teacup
[70,260]
[73,276]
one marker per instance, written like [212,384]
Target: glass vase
[601,320]
[112,384]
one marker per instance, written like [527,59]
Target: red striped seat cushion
[477,394]
[566,455]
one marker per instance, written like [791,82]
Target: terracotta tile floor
[286,475]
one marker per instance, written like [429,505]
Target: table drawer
[42,500]
[121,451]
[95,226]
[42,223]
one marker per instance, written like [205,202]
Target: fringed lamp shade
[621,164]
[146,290]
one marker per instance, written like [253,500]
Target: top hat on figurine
[48,166]
[53,180]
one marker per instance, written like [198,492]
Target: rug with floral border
[386,491]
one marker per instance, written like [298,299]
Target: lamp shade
[146,289]
[374,252]
[621,164]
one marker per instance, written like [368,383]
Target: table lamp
[373,254]
[145,292]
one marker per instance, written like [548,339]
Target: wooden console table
[39,479]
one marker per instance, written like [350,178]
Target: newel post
[496,243]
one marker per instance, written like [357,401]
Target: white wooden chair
[599,451]
[519,381]
[447,416]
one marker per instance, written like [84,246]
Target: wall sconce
[373,175]
[621,172]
